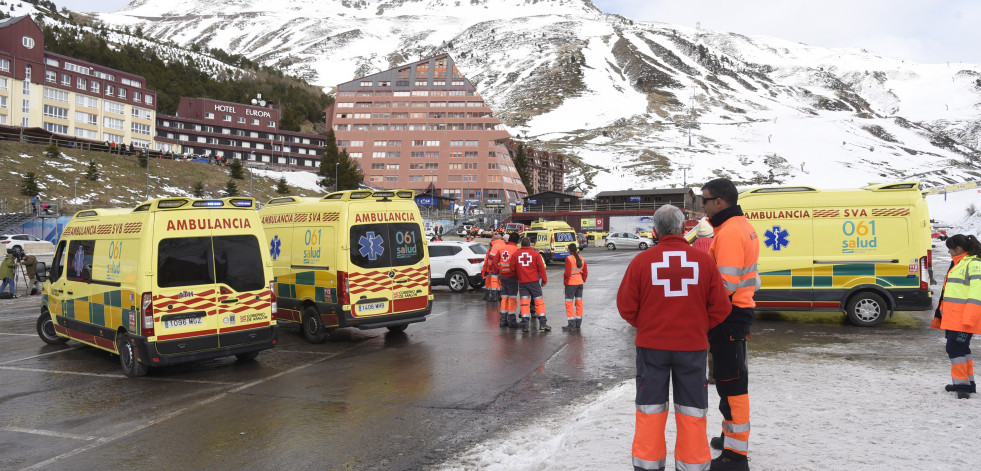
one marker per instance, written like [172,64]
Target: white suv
[457,264]
[618,240]
[30,244]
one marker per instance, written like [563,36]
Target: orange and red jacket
[961,305]
[490,260]
[573,274]
[673,294]
[505,262]
[736,249]
[529,266]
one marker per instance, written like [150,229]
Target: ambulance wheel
[866,309]
[247,356]
[127,357]
[313,326]
[46,330]
[457,281]
[610,246]
[397,328]
[643,246]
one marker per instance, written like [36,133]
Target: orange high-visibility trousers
[573,302]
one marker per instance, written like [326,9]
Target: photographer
[29,262]
[7,274]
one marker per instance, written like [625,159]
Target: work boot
[544,327]
[524,327]
[570,327]
[512,321]
[487,295]
[504,321]
[578,323]
[950,388]
[717,442]
[963,395]
[728,462]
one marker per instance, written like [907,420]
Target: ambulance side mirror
[42,271]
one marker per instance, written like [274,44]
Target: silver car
[628,241]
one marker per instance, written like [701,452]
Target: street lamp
[336,164]
[147,176]
[75,198]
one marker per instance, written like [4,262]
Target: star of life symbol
[525,259]
[371,246]
[675,266]
[274,247]
[776,238]
[79,261]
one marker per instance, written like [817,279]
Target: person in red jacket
[575,276]
[673,294]
[530,267]
[509,281]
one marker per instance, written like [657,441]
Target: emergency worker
[575,276]
[959,312]
[530,268]
[509,281]
[673,294]
[492,279]
[735,249]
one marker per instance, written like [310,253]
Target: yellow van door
[243,292]
[75,293]
[388,274]
[185,295]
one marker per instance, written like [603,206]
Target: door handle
[70,293]
[59,291]
[229,301]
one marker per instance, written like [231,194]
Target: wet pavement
[364,399]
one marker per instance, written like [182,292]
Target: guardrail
[75,143]
[595,207]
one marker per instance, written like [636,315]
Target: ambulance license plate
[370,307]
[184,322]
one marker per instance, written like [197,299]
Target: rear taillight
[925,264]
[272,298]
[146,313]
[343,288]
[475,260]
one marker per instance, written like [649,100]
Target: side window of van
[58,264]
[185,261]
[238,262]
[80,260]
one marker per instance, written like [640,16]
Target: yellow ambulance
[171,281]
[863,251]
[551,239]
[350,259]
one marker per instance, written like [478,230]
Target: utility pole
[75,198]
[147,175]
[336,186]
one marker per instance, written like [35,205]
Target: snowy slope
[622,95]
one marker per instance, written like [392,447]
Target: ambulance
[551,239]
[349,259]
[173,280]
[865,251]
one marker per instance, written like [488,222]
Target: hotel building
[421,126]
[69,96]
[215,128]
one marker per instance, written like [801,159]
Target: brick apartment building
[546,170]
[67,96]
[219,129]
[422,125]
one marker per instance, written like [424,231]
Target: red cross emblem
[505,255]
[674,273]
[525,259]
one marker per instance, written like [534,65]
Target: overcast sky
[930,31]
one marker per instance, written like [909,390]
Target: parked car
[628,241]
[582,240]
[457,264]
[30,244]
[463,229]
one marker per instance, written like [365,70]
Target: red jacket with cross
[673,294]
[529,265]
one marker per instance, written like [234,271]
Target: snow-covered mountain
[625,97]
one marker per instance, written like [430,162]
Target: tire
[610,246]
[127,357]
[457,281]
[247,356]
[45,330]
[866,309]
[397,328]
[313,326]
[642,246]
[477,284]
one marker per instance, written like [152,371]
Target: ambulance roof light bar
[208,204]
[783,189]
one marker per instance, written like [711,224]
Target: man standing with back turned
[673,295]
[736,249]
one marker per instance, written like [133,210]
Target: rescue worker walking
[959,311]
[509,281]
[735,249]
[530,267]
[673,294]
[492,279]
[575,276]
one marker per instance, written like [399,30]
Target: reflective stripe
[962,381]
[730,286]
[974,301]
[569,300]
[652,408]
[735,428]
[651,465]
[682,466]
[958,280]
[749,282]
[948,299]
[735,445]
[958,360]
[690,411]
[736,270]
[974,277]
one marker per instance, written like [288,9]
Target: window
[55,128]
[365,84]
[113,107]
[241,120]
[50,76]
[141,113]
[148,99]
[255,121]
[227,118]
[271,124]
[55,95]
[80,260]
[86,134]
[209,116]
[3,101]
[55,112]
[94,86]
[25,106]
[27,41]
[81,83]
[232,260]
[4,65]
[122,93]
[112,123]
[137,96]
[3,83]
[110,90]
[86,118]
[138,128]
